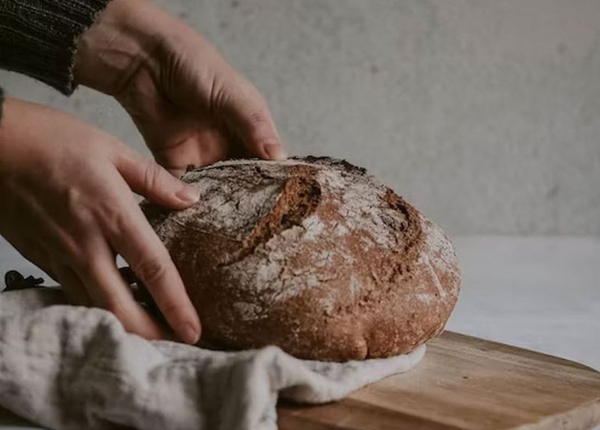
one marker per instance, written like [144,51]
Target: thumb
[249,118]
[147,178]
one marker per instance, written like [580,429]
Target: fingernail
[275,152]
[189,334]
[189,194]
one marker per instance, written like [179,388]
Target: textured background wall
[483,113]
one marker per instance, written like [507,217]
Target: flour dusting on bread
[313,255]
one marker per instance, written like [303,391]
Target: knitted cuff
[39,37]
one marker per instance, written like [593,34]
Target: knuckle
[257,118]
[217,95]
[150,270]
[74,200]
[152,176]
[112,219]
[269,141]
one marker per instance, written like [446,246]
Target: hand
[68,207]
[191,107]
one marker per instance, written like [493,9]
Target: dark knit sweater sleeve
[39,37]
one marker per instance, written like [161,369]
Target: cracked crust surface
[311,254]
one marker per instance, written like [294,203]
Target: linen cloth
[67,367]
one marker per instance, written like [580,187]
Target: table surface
[533,292]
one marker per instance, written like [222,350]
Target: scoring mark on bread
[298,199]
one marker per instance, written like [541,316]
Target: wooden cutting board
[465,383]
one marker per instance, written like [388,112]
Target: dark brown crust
[299,198]
[405,295]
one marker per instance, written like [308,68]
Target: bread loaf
[311,254]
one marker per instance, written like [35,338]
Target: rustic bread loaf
[311,254]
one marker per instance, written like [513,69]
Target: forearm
[39,37]
[1,103]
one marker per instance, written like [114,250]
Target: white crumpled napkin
[67,367]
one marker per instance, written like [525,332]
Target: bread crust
[312,255]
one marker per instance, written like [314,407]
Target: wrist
[123,40]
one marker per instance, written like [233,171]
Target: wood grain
[465,383]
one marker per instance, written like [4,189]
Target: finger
[147,178]
[108,290]
[72,286]
[248,116]
[147,256]
[204,146]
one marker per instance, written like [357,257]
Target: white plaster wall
[483,113]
